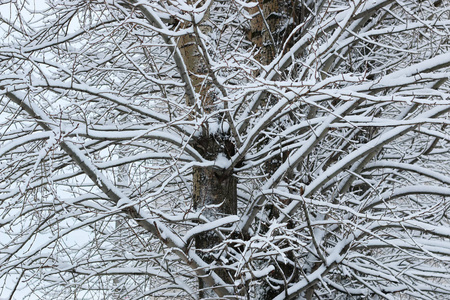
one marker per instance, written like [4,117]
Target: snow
[211,225]
[100,122]
[222,161]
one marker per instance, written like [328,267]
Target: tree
[225,149]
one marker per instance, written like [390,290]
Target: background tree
[225,149]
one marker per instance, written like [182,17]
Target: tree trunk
[214,193]
[216,196]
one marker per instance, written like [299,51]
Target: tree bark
[215,195]
[214,192]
